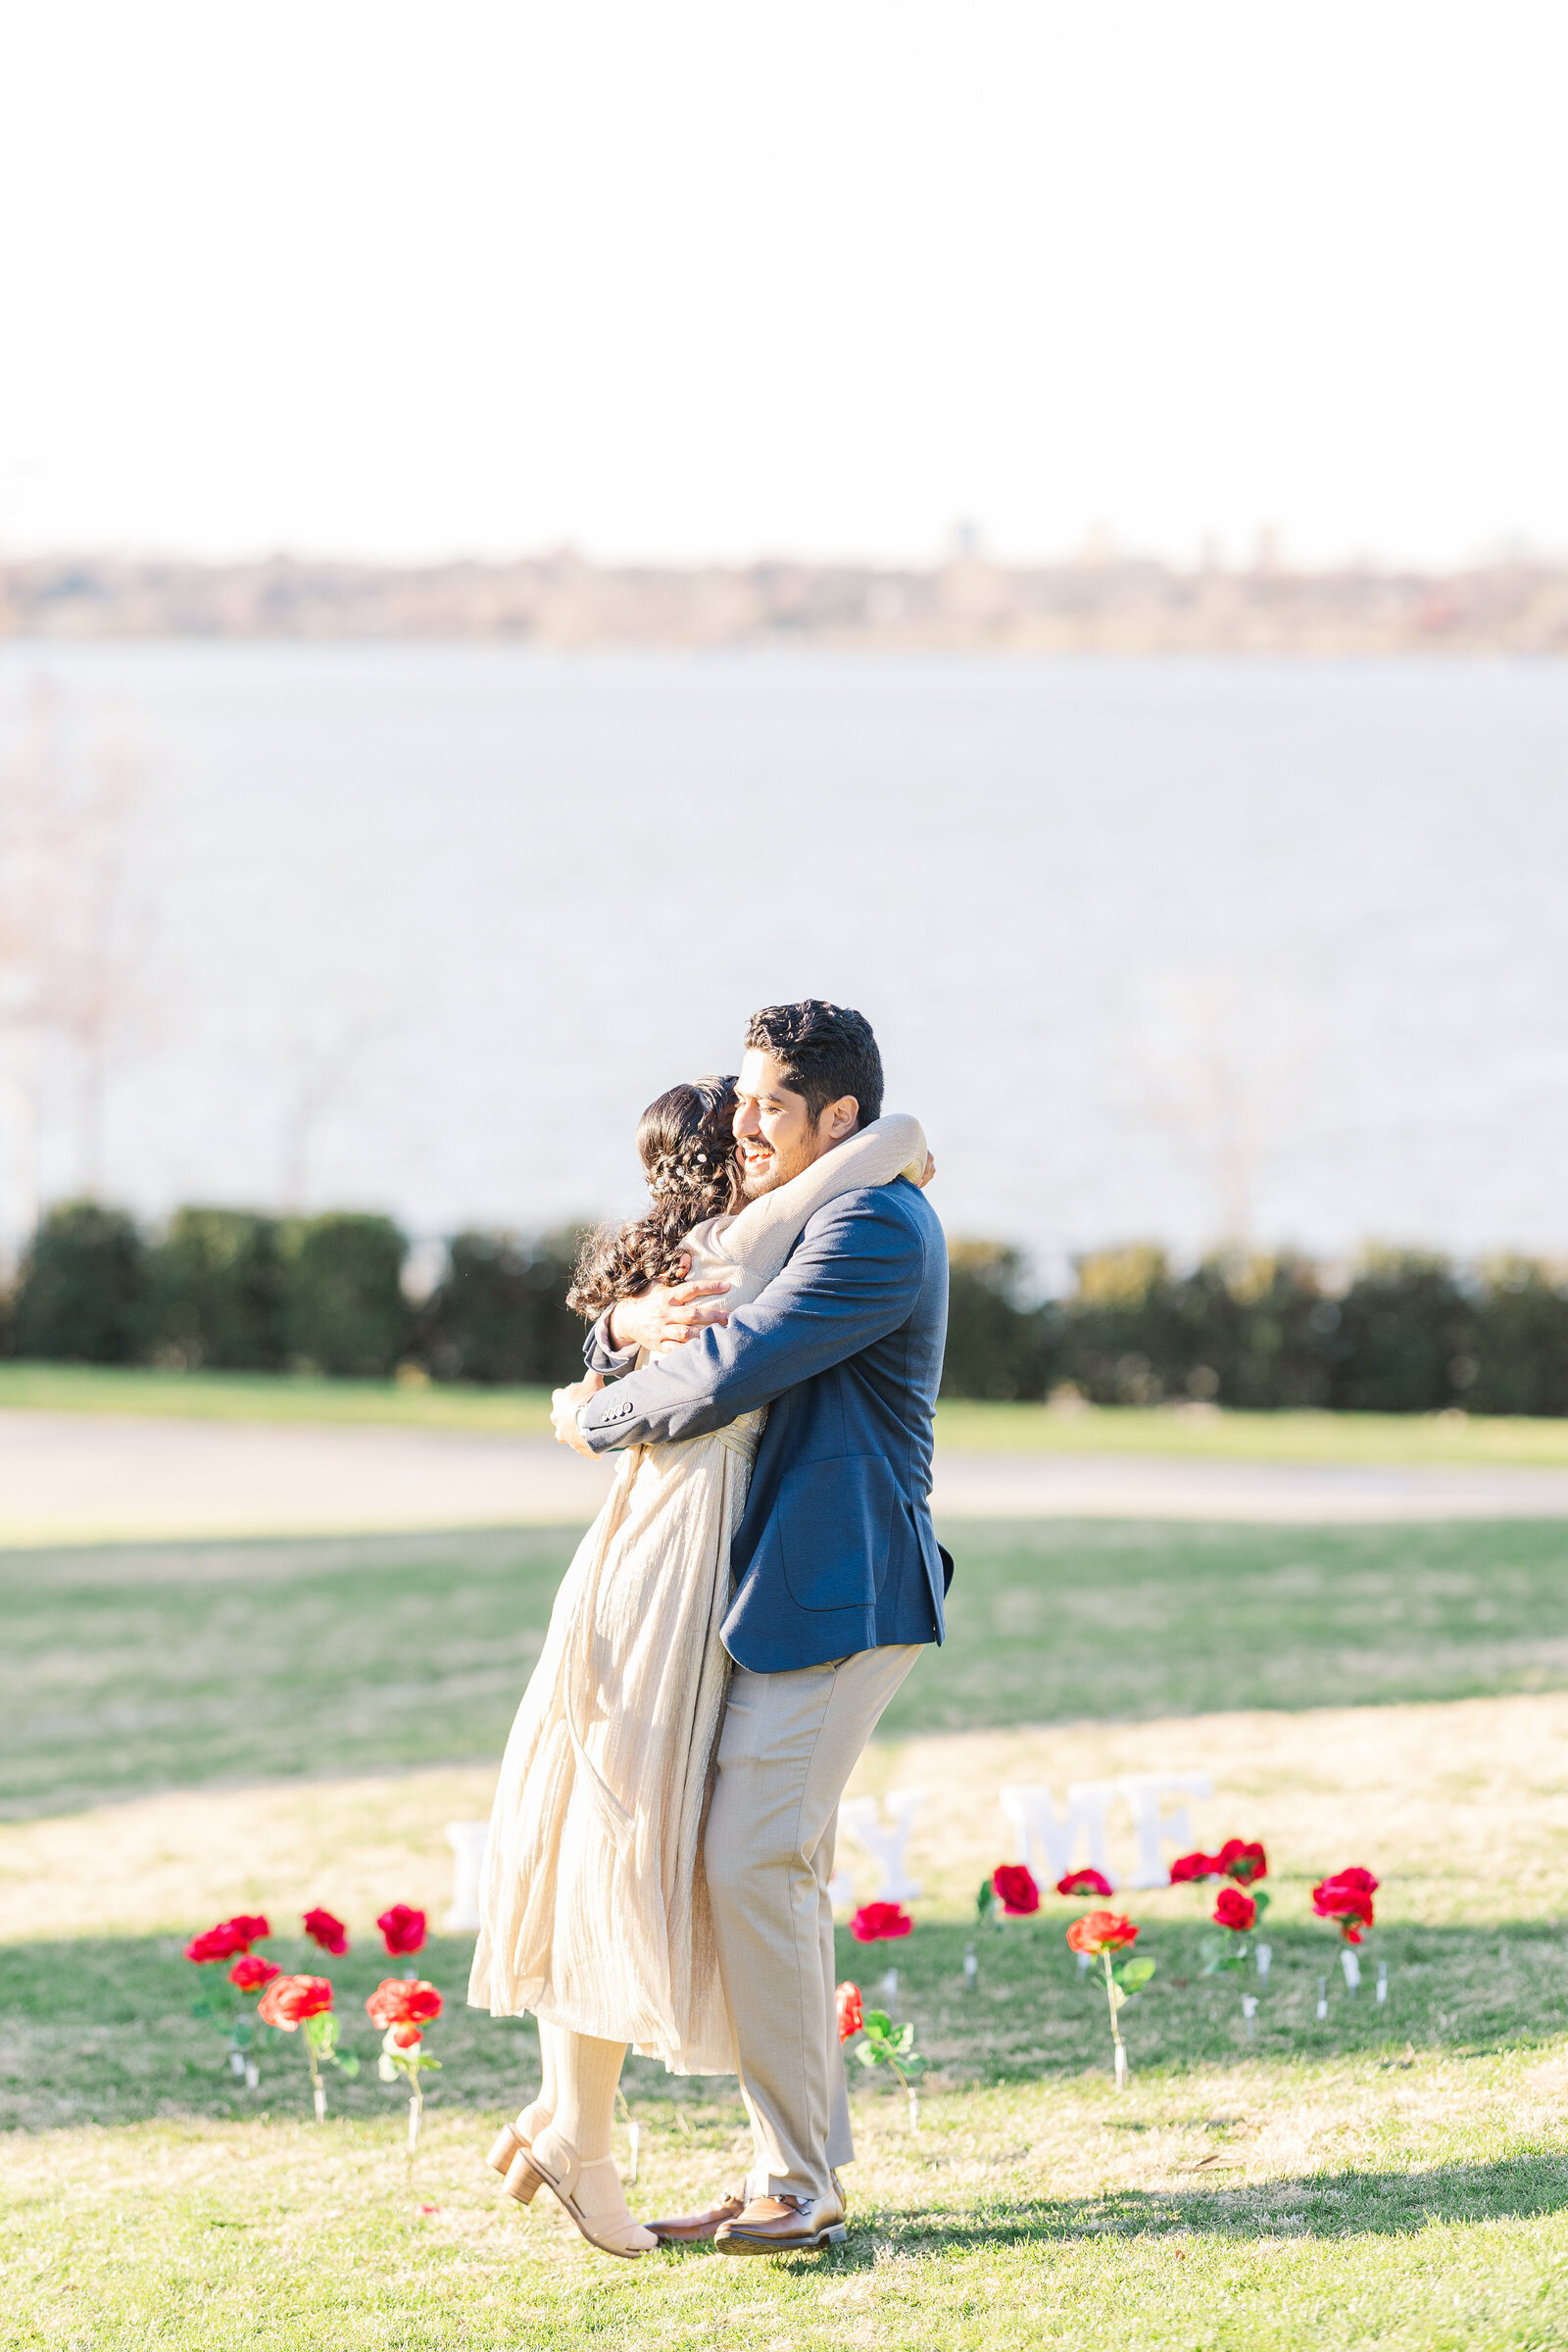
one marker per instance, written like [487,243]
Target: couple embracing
[763,1366]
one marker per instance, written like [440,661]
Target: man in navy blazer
[839,1576]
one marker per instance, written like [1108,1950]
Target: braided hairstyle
[686,1143]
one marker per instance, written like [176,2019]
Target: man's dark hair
[824,1051]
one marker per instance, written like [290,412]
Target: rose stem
[317,2086]
[1116,2030]
[908,2092]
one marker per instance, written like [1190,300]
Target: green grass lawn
[1390,2176]
[1456,1441]
[146,1666]
[1393,2176]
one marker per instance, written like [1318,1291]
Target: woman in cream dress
[594,1906]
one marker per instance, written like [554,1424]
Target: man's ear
[841,1118]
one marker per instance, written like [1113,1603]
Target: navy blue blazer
[836,1551]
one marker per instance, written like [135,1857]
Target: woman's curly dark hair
[686,1142]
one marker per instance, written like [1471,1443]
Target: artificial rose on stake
[219,2000]
[1238,1858]
[876,1922]
[878,2041]
[328,1931]
[404,2007]
[1347,1898]
[1096,1935]
[1191,1870]
[230,1938]
[1237,1912]
[402,1931]
[1244,1863]
[253,1973]
[1081,1883]
[292,2003]
[1010,1891]
[879,1923]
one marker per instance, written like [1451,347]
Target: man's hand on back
[666,1315]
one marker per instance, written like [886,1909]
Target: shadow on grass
[1347,2204]
[1455,1988]
[101,2030]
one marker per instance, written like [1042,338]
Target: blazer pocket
[834,1522]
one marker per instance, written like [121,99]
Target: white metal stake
[634,2136]
[971,1970]
[253,2075]
[1250,2012]
[1083,1963]
[1322,1996]
[1383,1980]
[890,1985]
[1265,1953]
[1352,1969]
[236,2062]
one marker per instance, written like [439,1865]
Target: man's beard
[766,1179]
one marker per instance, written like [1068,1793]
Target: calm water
[1153,948]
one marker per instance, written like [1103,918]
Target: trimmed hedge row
[234,1289]
[1409,1333]
[231,1290]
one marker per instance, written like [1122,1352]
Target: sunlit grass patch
[141,1666]
[1258,2205]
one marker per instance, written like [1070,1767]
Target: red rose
[1347,1897]
[401,1930]
[330,1932]
[1242,1862]
[230,1935]
[851,2016]
[396,2001]
[250,1972]
[876,1922]
[1235,1910]
[1187,1869]
[1101,1932]
[290,2000]
[1015,1889]
[213,1943]
[1083,1881]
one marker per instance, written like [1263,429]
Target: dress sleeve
[761,1237]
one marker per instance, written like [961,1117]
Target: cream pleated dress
[594,1904]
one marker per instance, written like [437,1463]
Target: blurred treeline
[235,1290]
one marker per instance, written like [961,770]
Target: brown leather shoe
[691,2229]
[783,2224]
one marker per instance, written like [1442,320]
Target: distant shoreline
[1108,605]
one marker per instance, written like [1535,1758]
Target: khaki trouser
[788,1745]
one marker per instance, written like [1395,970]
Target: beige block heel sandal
[558,2164]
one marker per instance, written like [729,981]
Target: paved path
[71,1476]
[1084,1486]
